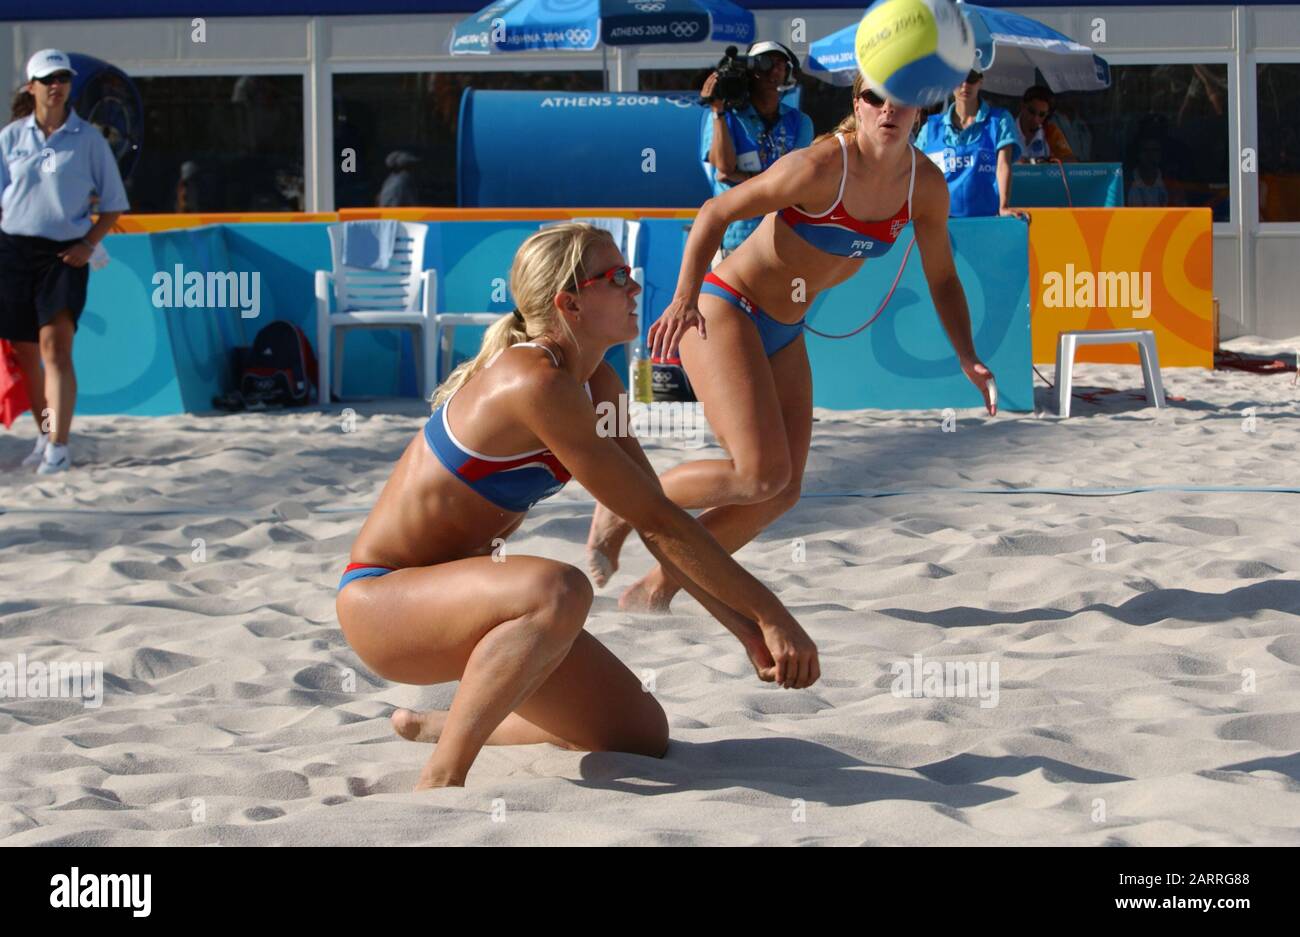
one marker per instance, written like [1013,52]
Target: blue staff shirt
[46,184]
[969,157]
[757,148]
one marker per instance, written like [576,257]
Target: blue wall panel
[122,352]
[904,359]
[133,357]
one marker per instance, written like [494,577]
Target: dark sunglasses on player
[619,276]
[56,78]
[871,97]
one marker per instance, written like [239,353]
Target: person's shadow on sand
[783,767]
[1146,608]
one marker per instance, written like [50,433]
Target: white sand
[1120,715]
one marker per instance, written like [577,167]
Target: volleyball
[914,52]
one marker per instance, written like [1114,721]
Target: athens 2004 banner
[1123,268]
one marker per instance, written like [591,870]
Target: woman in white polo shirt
[51,163]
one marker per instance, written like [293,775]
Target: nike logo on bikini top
[837,232]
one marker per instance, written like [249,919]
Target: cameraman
[738,142]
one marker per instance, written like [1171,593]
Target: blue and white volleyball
[914,52]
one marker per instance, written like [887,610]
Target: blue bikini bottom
[773,334]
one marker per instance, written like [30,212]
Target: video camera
[732,86]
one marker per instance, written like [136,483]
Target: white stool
[1143,338]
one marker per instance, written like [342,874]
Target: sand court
[1144,648]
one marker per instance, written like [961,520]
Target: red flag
[13,389]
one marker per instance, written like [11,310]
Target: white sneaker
[55,460]
[37,454]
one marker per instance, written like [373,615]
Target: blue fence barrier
[904,359]
[139,353]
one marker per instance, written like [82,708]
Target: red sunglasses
[616,275]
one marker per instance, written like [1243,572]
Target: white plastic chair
[626,235]
[402,296]
[1068,342]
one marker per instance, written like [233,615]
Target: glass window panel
[1167,124]
[402,127]
[223,143]
[1278,99]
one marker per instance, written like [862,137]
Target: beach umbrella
[582,25]
[1011,49]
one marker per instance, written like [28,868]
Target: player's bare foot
[645,596]
[418,726]
[604,542]
[429,781]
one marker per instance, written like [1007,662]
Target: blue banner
[568,25]
[633,149]
[1084,185]
[904,359]
[147,351]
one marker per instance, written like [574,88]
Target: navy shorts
[35,284]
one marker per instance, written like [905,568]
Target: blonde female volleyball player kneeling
[430,595]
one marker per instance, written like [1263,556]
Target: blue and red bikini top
[511,482]
[837,232]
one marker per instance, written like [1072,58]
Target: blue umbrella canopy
[1010,48]
[582,25]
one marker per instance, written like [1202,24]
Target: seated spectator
[1040,139]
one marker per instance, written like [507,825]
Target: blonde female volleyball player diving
[740,327]
[433,594]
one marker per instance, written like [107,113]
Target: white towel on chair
[369,243]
